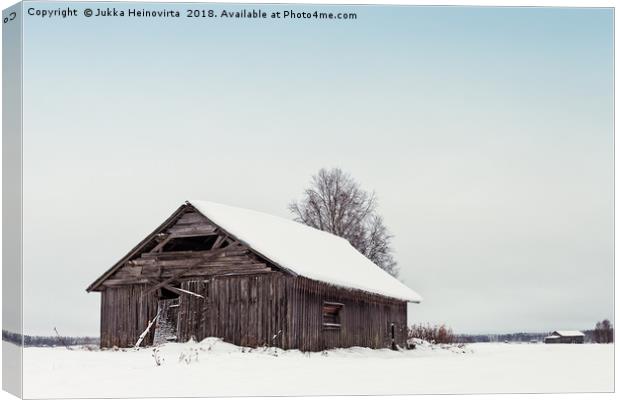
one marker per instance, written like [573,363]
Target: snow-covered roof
[306,251]
[552,337]
[569,333]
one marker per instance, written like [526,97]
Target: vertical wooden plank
[243,311]
[215,308]
[228,315]
[252,326]
[103,333]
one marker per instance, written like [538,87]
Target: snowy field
[214,368]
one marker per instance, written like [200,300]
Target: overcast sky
[485,132]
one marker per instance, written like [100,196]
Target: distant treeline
[591,336]
[603,332]
[47,341]
[444,334]
[506,337]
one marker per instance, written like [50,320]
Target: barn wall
[125,314]
[278,310]
[270,309]
[365,318]
[248,310]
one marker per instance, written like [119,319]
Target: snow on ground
[215,368]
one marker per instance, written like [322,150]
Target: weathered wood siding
[270,309]
[244,310]
[150,267]
[192,223]
[365,318]
[125,314]
[278,310]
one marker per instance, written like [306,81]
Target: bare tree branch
[336,203]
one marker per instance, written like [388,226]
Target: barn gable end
[187,245]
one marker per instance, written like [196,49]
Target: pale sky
[485,132]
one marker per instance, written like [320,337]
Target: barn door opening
[166,329]
[393,335]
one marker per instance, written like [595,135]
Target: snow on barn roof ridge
[569,333]
[304,250]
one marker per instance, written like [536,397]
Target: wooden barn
[574,337]
[252,279]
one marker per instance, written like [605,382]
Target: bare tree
[336,203]
[603,332]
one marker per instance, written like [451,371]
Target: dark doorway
[166,329]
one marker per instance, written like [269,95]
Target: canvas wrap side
[12,319]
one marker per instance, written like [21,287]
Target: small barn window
[331,315]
